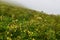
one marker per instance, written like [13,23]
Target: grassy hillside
[18,23]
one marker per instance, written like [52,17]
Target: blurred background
[48,6]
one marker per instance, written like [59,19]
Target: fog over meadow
[48,6]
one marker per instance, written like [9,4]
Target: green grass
[18,23]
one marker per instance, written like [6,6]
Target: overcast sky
[49,6]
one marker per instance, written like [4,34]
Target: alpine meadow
[19,23]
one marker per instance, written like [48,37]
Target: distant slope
[18,23]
